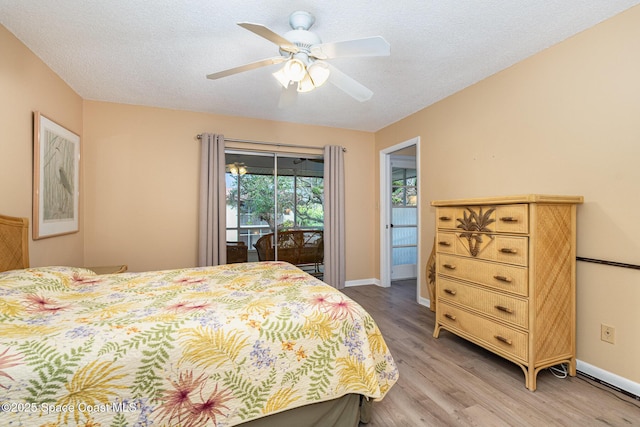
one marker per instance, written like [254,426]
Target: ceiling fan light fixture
[237,169]
[319,73]
[306,84]
[282,77]
[294,69]
[302,54]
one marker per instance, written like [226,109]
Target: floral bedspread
[213,346]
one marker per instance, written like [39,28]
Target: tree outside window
[300,200]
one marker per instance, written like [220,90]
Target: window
[272,192]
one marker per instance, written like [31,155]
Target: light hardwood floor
[451,382]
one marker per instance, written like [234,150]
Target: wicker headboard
[14,243]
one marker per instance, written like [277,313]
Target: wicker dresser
[506,277]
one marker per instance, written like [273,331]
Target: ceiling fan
[304,55]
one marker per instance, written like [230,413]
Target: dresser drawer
[498,276]
[512,219]
[507,249]
[493,304]
[470,218]
[490,334]
[512,250]
[446,218]
[446,242]
[489,219]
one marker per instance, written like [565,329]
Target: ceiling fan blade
[349,85]
[288,96]
[273,37]
[369,46]
[246,67]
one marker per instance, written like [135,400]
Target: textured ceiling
[158,53]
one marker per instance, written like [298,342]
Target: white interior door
[410,148]
[404,217]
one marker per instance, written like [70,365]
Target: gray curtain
[212,229]
[334,220]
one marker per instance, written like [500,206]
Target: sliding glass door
[251,199]
[300,192]
[269,193]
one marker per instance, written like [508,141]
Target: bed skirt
[347,411]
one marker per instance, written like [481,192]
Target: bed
[258,344]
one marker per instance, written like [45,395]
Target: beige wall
[28,85]
[562,122]
[141,183]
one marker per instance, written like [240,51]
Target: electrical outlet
[608,334]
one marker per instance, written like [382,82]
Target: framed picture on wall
[56,178]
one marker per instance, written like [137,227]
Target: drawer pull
[508,219]
[445,218]
[449,266]
[444,243]
[504,309]
[503,278]
[450,316]
[509,251]
[503,339]
[450,291]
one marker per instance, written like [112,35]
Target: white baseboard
[362,282]
[609,378]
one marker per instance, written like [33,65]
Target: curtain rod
[276,144]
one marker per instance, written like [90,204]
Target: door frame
[385,212]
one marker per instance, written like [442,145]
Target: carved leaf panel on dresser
[505,277]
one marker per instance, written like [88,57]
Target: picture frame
[56,178]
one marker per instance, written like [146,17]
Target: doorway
[399,213]
[404,216]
